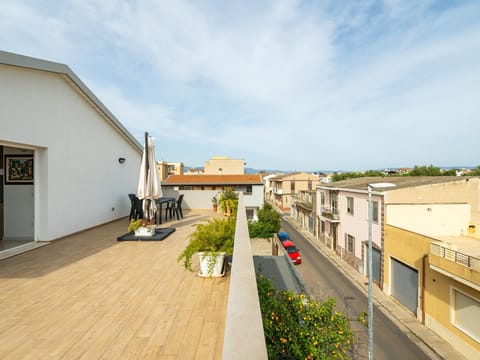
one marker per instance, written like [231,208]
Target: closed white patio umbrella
[149,187]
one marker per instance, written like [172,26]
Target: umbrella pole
[147,203]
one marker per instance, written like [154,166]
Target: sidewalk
[431,343]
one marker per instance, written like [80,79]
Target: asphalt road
[323,280]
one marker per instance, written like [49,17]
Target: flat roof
[399,182]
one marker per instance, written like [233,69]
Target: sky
[282,84]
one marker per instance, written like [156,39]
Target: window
[322,227]
[375,211]
[250,213]
[333,200]
[350,205]
[350,243]
[466,312]
[322,198]
[292,187]
[309,185]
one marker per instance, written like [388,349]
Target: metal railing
[329,213]
[455,256]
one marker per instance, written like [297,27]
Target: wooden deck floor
[89,296]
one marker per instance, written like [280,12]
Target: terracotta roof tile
[213,179]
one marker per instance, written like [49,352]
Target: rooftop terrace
[88,296]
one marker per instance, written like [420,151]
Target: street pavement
[431,343]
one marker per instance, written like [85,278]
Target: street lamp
[369,260]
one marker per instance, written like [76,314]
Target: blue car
[283,236]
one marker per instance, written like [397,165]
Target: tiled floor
[89,296]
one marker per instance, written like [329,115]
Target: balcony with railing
[303,200]
[457,263]
[278,191]
[329,214]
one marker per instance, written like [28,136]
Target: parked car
[283,236]
[293,251]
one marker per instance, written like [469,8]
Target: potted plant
[228,202]
[141,228]
[212,241]
[215,203]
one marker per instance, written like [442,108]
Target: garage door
[405,285]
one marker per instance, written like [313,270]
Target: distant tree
[451,172]
[475,171]
[353,175]
[346,176]
[425,171]
[373,173]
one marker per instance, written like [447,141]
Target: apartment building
[268,186]
[342,211]
[223,165]
[165,169]
[284,187]
[303,209]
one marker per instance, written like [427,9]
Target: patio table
[160,202]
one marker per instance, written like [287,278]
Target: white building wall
[202,199]
[430,219]
[79,182]
[357,224]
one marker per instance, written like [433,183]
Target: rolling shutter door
[405,285]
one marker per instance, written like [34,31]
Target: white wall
[202,199]
[430,219]
[79,180]
[256,199]
[357,224]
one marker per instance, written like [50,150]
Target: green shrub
[268,223]
[296,326]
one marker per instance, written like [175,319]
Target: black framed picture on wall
[18,169]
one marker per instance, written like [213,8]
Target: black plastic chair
[175,208]
[136,210]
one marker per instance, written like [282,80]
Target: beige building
[438,279]
[223,165]
[432,259]
[285,187]
[426,245]
[303,209]
[165,169]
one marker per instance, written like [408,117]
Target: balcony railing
[455,256]
[329,213]
[278,191]
[303,201]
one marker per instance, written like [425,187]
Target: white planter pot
[144,231]
[211,265]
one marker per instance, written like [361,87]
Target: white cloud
[287,84]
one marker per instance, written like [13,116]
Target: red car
[293,252]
